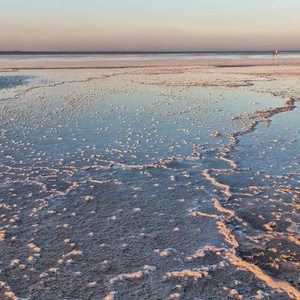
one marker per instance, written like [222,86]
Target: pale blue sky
[141,25]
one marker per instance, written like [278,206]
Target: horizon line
[135,51]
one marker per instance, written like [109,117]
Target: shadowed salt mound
[7,82]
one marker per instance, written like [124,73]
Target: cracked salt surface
[148,184]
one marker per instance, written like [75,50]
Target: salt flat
[149,179]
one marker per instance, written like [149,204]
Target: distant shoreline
[145,52]
[10,63]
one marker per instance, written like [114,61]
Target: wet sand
[163,180]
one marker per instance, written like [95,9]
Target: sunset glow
[149,25]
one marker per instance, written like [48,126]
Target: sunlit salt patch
[132,276]
[165,252]
[34,247]
[74,253]
[195,274]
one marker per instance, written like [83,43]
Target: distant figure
[274,51]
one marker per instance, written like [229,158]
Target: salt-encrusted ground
[150,183]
